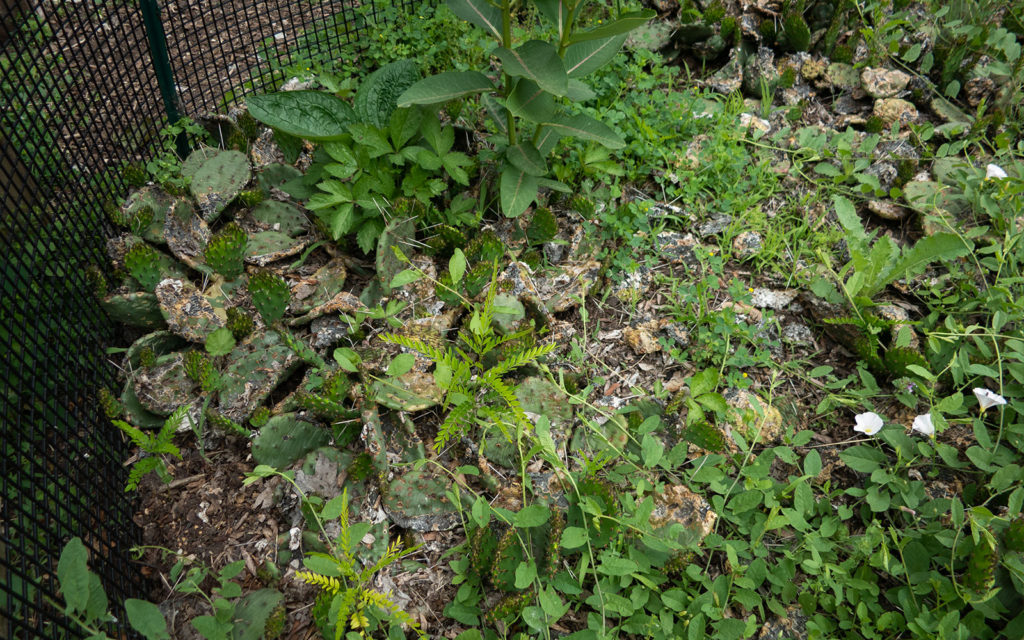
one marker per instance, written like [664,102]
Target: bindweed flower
[988,398]
[923,424]
[994,172]
[868,423]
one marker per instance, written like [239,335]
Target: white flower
[988,398]
[923,424]
[994,172]
[868,423]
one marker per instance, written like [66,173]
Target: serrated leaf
[848,218]
[518,190]
[405,123]
[313,115]
[368,233]
[537,61]
[444,87]
[624,24]
[372,138]
[479,12]
[939,246]
[584,127]
[525,157]
[73,575]
[220,342]
[585,57]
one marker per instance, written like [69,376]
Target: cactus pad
[270,246]
[158,203]
[186,233]
[188,313]
[271,215]
[254,368]
[217,180]
[270,295]
[226,250]
[326,283]
[418,500]
[285,438]
[165,386]
[138,309]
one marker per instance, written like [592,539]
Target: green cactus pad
[542,397]
[277,175]
[414,391]
[165,386]
[253,612]
[160,342]
[418,500]
[158,201]
[270,246]
[329,280]
[136,414]
[285,438]
[254,368]
[138,309]
[283,217]
[226,250]
[217,180]
[270,295]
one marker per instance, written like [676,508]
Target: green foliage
[143,263]
[155,445]
[270,295]
[165,167]
[535,74]
[225,253]
[796,32]
[239,323]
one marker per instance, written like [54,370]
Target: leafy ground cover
[748,366]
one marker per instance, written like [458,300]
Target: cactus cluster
[543,226]
[147,357]
[135,220]
[251,198]
[239,323]
[270,295]
[225,252]
[143,263]
[224,424]
[200,370]
[112,407]
[134,173]
[259,417]
[324,408]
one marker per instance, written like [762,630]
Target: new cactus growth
[143,263]
[259,417]
[147,357]
[111,406]
[134,174]
[226,251]
[225,424]
[134,219]
[543,226]
[270,295]
[239,323]
[251,198]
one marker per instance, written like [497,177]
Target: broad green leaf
[403,278]
[554,185]
[401,364]
[220,342]
[453,162]
[703,382]
[626,23]
[313,115]
[372,138]
[579,91]
[574,537]
[525,157]
[651,449]
[557,13]
[334,507]
[457,265]
[444,87]
[533,515]
[812,463]
[848,218]
[518,190]
[211,628]
[584,127]
[529,101]
[538,61]
[584,57]
[347,359]
[340,153]
[73,575]
[322,563]
[481,511]
[615,565]
[405,123]
[377,96]
[479,12]
[145,617]
[526,573]
[545,140]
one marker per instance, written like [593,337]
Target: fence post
[162,67]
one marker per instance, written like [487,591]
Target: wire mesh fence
[79,100]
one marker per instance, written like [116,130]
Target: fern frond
[507,394]
[327,583]
[521,358]
[163,438]
[383,602]
[139,469]
[345,605]
[453,426]
[137,436]
[415,344]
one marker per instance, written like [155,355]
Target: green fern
[154,444]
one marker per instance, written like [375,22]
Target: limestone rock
[883,83]
[892,110]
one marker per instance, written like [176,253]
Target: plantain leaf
[518,190]
[444,87]
[538,61]
[479,12]
[626,23]
[529,101]
[313,115]
[525,157]
[586,128]
[584,57]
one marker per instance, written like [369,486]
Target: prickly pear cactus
[239,323]
[543,226]
[283,217]
[270,295]
[327,282]
[418,500]
[285,438]
[254,368]
[217,180]
[270,246]
[254,612]
[226,251]
[138,309]
[142,263]
[135,413]
[144,213]
[159,342]
[980,575]
[897,359]
[413,391]
[186,233]
[165,386]
[187,311]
